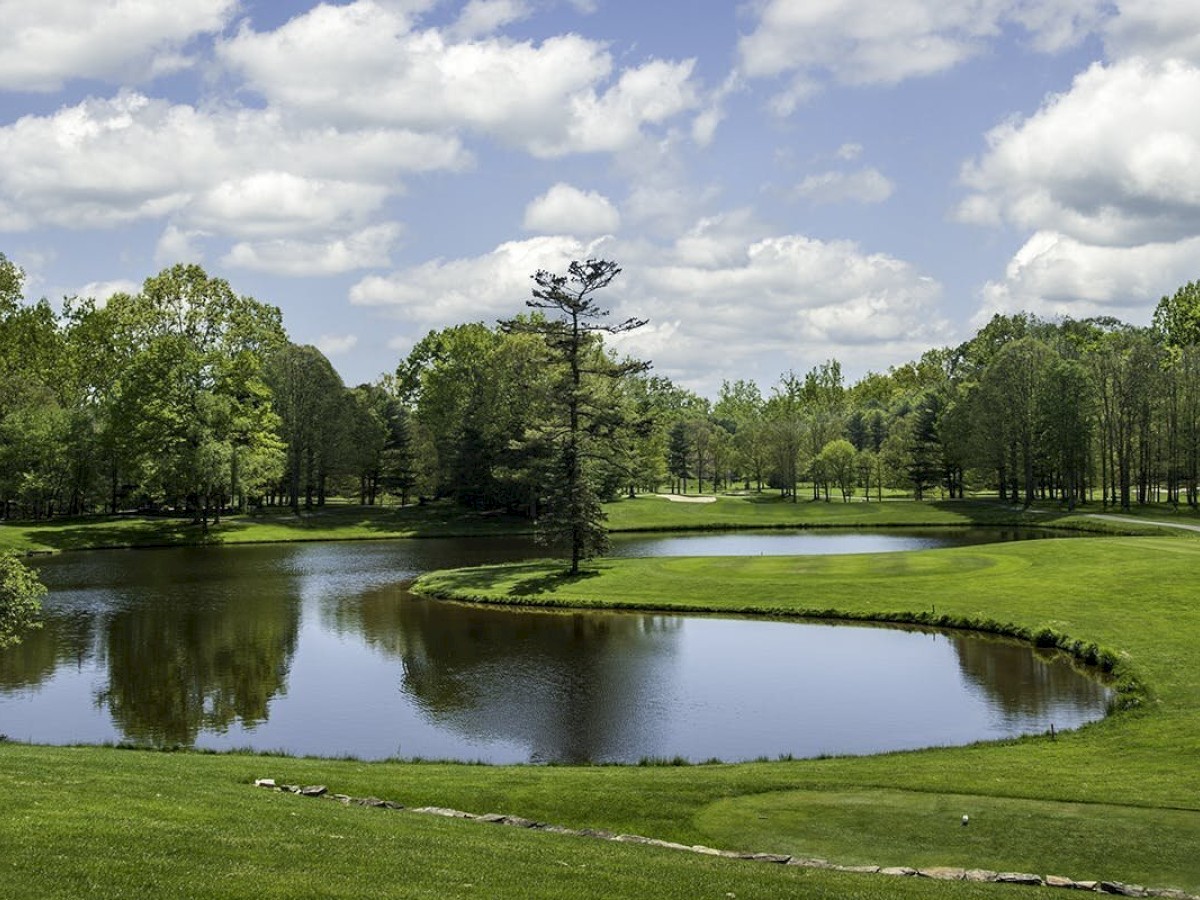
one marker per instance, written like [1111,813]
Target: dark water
[319,649]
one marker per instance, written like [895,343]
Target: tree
[20,599]
[838,463]
[572,337]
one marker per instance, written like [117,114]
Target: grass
[1119,799]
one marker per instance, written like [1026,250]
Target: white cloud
[723,301]
[43,45]
[336,344]
[849,152]
[565,209]
[887,41]
[1053,274]
[119,160]
[483,17]
[1106,176]
[272,203]
[1115,160]
[368,248]
[102,291]
[863,186]
[1155,29]
[442,292]
[552,98]
[176,245]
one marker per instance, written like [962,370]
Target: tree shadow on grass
[549,581]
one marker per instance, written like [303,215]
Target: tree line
[187,397]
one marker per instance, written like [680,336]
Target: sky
[783,182]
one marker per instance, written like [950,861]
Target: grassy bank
[1119,799]
[645,513]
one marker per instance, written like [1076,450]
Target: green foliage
[20,599]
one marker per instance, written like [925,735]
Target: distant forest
[188,397]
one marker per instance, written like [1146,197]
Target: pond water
[319,649]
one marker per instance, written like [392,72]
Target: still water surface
[319,649]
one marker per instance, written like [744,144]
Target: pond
[319,649]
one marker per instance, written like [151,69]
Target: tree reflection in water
[571,686]
[1024,684]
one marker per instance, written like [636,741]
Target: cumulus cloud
[1053,274]
[102,291]
[1114,160]
[368,248]
[273,202]
[863,186]
[565,209]
[887,41]
[43,45]
[722,300]
[1106,177]
[1155,29]
[176,245]
[482,17]
[497,284]
[552,98]
[336,344]
[106,162]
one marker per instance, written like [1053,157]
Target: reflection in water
[176,669]
[61,641]
[1023,683]
[571,686]
[320,649]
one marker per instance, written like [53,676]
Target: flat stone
[313,790]
[491,818]
[1058,881]
[370,801]
[859,870]
[1019,878]
[778,858]
[811,863]
[266,783]
[444,812]
[1088,885]
[980,875]
[1122,890]
[903,871]
[341,798]
[707,851]
[943,873]
[598,833]
[519,822]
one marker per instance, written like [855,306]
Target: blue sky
[783,181]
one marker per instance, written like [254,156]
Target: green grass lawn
[1119,799]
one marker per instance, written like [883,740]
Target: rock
[370,801]
[1058,881]
[1122,890]
[898,870]
[981,875]
[859,870]
[778,858]
[266,783]
[519,822]
[1019,878]
[313,790]
[1088,885]
[943,873]
[707,851]
[491,818]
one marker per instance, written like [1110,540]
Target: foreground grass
[1118,799]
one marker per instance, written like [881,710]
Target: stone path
[939,873]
